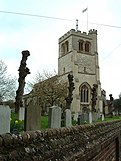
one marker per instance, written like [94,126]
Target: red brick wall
[97,142]
[107,154]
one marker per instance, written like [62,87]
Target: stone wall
[97,142]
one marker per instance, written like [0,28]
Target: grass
[44,122]
[18,125]
[110,118]
[15,124]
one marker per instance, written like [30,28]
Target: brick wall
[97,142]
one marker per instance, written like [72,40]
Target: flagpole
[87,19]
[86,10]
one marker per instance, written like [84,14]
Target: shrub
[16,125]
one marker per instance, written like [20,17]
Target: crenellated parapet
[92,31]
[77,33]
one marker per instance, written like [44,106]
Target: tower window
[81,45]
[63,49]
[84,94]
[66,46]
[87,47]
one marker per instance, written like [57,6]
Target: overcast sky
[39,34]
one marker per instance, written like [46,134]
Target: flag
[84,10]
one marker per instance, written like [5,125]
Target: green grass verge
[110,118]
[44,122]
[18,125]
[15,124]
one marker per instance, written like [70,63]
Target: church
[78,55]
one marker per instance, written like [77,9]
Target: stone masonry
[96,142]
[78,55]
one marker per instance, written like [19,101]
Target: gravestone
[86,117]
[75,116]
[54,117]
[90,117]
[81,119]
[21,113]
[102,117]
[32,116]
[94,116]
[5,114]
[99,114]
[67,118]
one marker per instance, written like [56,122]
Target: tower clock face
[86,64]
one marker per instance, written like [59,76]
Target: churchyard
[60,134]
[13,122]
[27,116]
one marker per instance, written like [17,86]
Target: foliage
[117,103]
[7,84]
[49,89]
[44,122]
[74,122]
[16,125]
[110,118]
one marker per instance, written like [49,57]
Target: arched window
[84,93]
[66,46]
[62,49]
[81,42]
[87,47]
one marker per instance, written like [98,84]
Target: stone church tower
[78,55]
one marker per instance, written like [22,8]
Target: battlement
[92,31]
[77,33]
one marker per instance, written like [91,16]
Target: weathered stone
[21,113]
[67,118]
[102,117]
[5,114]
[32,116]
[54,117]
[94,116]
[7,138]
[90,117]
[99,141]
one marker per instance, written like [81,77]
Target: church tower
[78,55]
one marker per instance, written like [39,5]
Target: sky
[51,19]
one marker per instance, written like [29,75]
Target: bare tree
[49,89]
[71,87]
[7,84]
[23,72]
